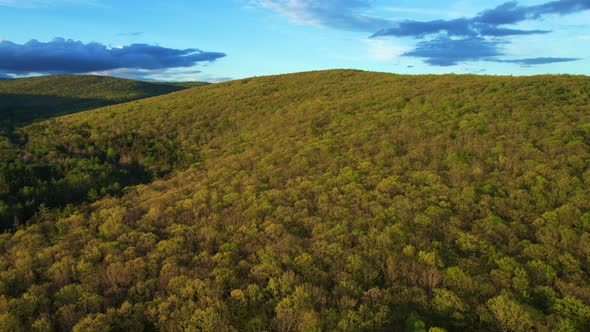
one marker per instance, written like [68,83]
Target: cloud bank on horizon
[441,42]
[61,56]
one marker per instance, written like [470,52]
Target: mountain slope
[30,99]
[27,99]
[337,200]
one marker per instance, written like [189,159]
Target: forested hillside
[25,100]
[321,201]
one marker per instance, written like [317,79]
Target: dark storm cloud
[69,56]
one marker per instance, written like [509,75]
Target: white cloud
[424,11]
[162,75]
[384,49]
[339,14]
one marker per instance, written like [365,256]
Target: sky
[219,40]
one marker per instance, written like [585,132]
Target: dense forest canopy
[25,184]
[320,201]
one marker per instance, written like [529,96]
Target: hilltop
[332,200]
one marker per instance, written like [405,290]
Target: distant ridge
[24,100]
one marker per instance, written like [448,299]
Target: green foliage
[45,173]
[24,100]
[322,201]
[510,315]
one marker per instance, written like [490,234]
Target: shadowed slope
[28,99]
[51,182]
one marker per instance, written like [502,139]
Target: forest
[27,99]
[334,200]
[27,185]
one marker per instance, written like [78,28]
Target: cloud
[488,22]
[457,27]
[421,11]
[130,34]
[168,75]
[384,50]
[443,42]
[493,31]
[506,13]
[512,13]
[68,56]
[538,61]
[338,14]
[478,38]
[445,51]
[214,79]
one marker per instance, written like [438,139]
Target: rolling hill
[333,200]
[27,99]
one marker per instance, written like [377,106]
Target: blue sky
[216,40]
